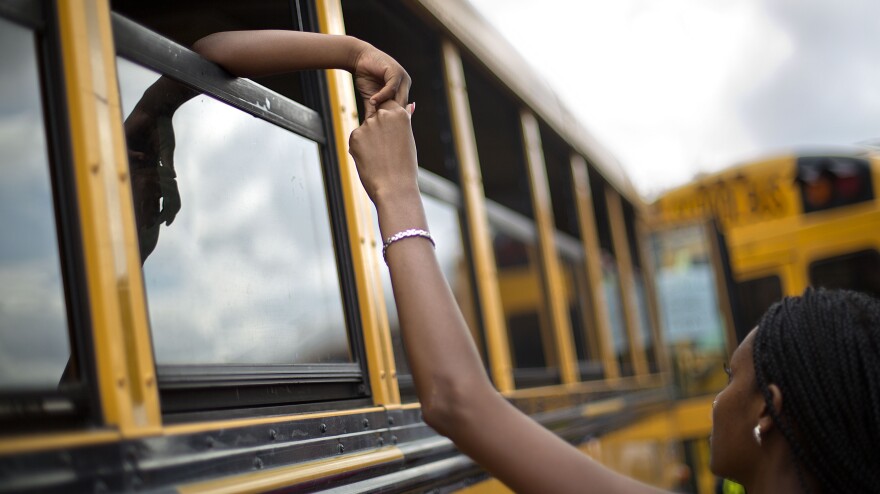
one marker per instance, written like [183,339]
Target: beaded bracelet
[412,232]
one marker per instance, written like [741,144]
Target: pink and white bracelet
[412,232]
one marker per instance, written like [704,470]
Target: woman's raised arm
[457,398]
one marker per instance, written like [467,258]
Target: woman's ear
[766,420]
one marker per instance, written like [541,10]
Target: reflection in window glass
[34,344]
[246,273]
[443,221]
[689,309]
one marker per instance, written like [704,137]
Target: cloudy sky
[678,87]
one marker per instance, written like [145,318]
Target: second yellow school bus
[729,244]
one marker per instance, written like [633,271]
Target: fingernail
[411,108]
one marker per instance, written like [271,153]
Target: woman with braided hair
[800,414]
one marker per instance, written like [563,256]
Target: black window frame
[74,404]
[201,392]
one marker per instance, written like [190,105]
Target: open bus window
[858,271]
[689,308]
[34,341]
[753,298]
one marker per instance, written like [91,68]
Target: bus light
[830,181]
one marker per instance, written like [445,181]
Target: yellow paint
[363,241]
[287,477]
[144,390]
[45,442]
[602,408]
[105,218]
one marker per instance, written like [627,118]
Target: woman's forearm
[445,364]
[266,52]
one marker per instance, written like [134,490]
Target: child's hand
[385,153]
[379,78]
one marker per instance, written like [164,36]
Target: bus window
[638,289]
[34,342]
[577,293]
[557,157]
[610,276]
[858,271]
[45,361]
[243,287]
[500,148]
[689,308]
[194,20]
[532,345]
[754,297]
[416,46]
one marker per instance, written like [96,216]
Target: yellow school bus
[729,244]
[215,316]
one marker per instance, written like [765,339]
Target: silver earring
[757,433]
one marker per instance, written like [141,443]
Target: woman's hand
[379,78]
[385,153]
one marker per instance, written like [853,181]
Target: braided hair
[822,350]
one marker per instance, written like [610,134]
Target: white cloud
[681,86]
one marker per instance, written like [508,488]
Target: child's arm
[378,77]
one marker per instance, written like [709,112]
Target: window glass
[689,308]
[644,321]
[610,276]
[619,337]
[754,297]
[34,341]
[530,336]
[246,272]
[577,293]
[858,271]
[443,221]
